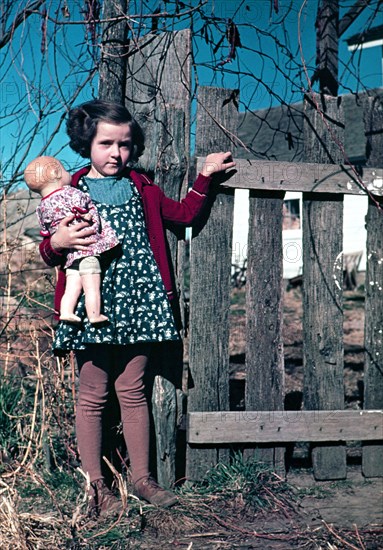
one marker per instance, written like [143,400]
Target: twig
[359,539]
[331,530]
[199,535]
[244,531]
[134,17]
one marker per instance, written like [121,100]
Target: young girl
[48,177]
[136,287]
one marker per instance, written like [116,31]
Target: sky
[33,81]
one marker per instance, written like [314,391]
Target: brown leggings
[100,366]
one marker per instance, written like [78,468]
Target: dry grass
[199,520]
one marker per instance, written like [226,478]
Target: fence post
[210,262]
[158,93]
[322,281]
[372,462]
[264,345]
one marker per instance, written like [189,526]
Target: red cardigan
[157,209]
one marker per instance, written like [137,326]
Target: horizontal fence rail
[306,177]
[283,426]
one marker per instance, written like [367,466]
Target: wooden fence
[158,91]
[323,422]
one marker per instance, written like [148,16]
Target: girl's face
[110,149]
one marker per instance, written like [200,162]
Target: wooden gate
[264,427]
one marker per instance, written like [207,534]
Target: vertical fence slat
[158,94]
[210,261]
[322,283]
[264,345]
[372,462]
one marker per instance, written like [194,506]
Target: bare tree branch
[20,19]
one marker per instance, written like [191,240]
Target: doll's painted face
[110,150]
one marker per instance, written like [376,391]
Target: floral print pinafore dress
[133,294]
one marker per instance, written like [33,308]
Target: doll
[63,204]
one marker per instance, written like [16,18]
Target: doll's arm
[88,212]
[95,218]
[50,256]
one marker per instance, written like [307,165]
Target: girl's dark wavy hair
[83,120]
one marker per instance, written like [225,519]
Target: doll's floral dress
[133,294]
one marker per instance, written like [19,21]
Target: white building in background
[354,231]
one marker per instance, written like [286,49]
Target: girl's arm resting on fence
[217,162]
[185,211]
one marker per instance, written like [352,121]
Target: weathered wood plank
[322,284]
[372,462]
[210,261]
[305,177]
[164,408]
[284,426]
[326,71]
[264,389]
[172,161]
[158,94]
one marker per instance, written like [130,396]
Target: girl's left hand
[217,162]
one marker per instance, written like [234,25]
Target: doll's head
[83,122]
[46,174]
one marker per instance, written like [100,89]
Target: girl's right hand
[217,162]
[75,236]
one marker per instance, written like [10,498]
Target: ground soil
[332,516]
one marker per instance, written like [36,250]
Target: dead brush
[12,532]
[27,530]
[245,484]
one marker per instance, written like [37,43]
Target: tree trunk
[112,72]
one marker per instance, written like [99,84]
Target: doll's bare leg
[90,272]
[70,298]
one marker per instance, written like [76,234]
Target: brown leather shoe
[148,489]
[102,500]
